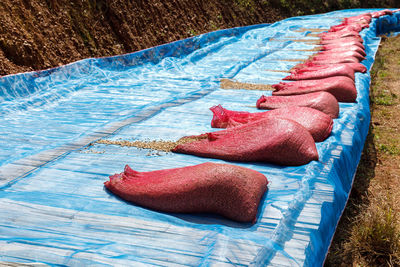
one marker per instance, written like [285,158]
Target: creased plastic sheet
[55,209]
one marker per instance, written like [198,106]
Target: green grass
[377,237]
[369,231]
[385,98]
[391,149]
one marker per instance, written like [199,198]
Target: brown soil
[42,34]
[368,233]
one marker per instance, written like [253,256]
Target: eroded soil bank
[42,34]
[39,34]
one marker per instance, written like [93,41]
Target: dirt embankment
[40,34]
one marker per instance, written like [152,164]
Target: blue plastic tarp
[55,209]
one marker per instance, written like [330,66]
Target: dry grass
[375,236]
[369,231]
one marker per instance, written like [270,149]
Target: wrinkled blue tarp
[55,209]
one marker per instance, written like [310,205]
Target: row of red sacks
[301,113]
[311,101]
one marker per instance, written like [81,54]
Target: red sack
[363,18]
[342,45]
[325,72]
[342,49]
[310,67]
[231,191]
[343,88]
[272,140]
[322,101]
[344,40]
[329,54]
[338,34]
[380,13]
[333,60]
[316,122]
[352,27]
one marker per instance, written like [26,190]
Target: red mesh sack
[272,140]
[342,45]
[322,101]
[231,191]
[332,54]
[324,72]
[342,49]
[339,34]
[344,40]
[310,67]
[334,60]
[343,88]
[316,122]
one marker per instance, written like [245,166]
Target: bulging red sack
[335,70]
[231,191]
[342,45]
[344,40]
[310,67]
[322,101]
[380,13]
[338,34]
[363,18]
[351,27]
[272,140]
[342,49]
[316,122]
[333,60]
[343,88]
[332,54]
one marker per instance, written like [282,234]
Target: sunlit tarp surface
[55,209]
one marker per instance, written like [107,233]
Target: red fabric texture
[324,72]
[378,14]
[342,49]
[316,122]
[352,27]
[322,101]
[334,60]
[363,18]
[310,67]
[344,40]
[342,45]
[331,54]
[231,191]
[339,34]
[272,140]
[343,88]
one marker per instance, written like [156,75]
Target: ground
[369,231]
[42,34]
